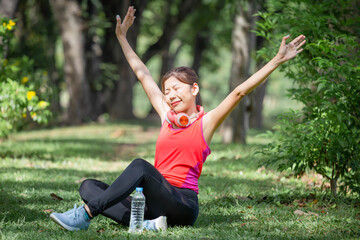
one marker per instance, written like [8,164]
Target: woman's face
[178,95]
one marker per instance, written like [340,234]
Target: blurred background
[65,56]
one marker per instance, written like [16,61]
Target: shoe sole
[56,220]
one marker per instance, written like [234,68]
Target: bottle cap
[139,189]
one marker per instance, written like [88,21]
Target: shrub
[20,87]
[325,134]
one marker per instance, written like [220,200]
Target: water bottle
[137,211]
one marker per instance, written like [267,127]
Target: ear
[195,89]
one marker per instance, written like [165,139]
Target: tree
[8,8]
[68,16]
[324,135]
[173,21]
[235,126]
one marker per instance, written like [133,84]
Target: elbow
[241,94]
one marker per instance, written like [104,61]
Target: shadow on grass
[18,195]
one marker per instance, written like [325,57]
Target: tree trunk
[201,43]
[256,106]
[54,75]
[162,46]
[93,53]
[68,16]
[235,126]
[257,96]
[120,101]
[8,8]
[333,186]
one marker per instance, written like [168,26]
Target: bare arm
[141,71]
[215,117]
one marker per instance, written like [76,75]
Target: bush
[325,134]
[20,87]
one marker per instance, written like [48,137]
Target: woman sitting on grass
[171,185]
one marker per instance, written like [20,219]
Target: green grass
[237,199]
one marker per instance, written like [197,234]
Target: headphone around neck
[182,120]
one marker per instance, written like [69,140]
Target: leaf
[321,86]
[299,213]
[56,197]
[48,210]
[315,201]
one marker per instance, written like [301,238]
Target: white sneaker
[157,224]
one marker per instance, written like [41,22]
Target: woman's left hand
[289,51]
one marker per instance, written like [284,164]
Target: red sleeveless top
[181,153]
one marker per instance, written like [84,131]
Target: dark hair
[183,74]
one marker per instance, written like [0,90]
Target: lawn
[238,199]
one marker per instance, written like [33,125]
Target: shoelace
[75,211]
[71,211]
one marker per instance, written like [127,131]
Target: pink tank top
[181,153]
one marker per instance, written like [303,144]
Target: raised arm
[141,71]
[215,117]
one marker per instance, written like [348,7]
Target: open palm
[289,51]
[122,28]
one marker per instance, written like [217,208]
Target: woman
[171,185]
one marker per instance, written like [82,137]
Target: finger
[132,20]
[283,42]
[132,10]
[299,51]
[298,40]
[302,43]
[118,21]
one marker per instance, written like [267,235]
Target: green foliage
[325,135]
[19,102]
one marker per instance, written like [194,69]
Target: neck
[192,112]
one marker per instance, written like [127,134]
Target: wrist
[277,60]
[121,38]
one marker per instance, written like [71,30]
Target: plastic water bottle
[137,211]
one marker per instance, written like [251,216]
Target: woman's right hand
[122,28]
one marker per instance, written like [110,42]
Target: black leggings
[179,205]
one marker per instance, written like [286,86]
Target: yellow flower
[12,23]
[43,104]
[4,24]
[24,80]
[9,26]
[33,115]
[24,115]
[30,94]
